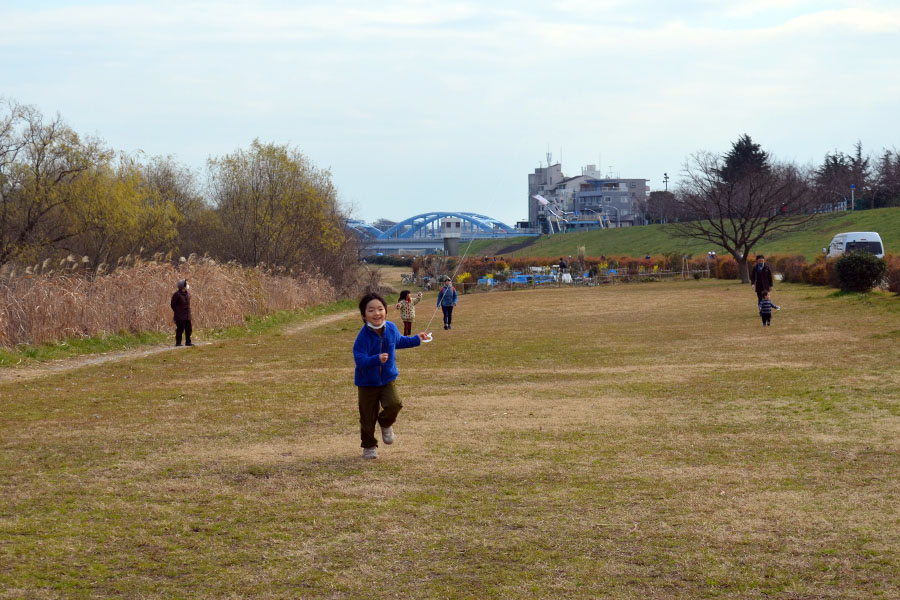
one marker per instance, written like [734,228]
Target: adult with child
[376,370]
[761,277]
[181,309]
[446,299]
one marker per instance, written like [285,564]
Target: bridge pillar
[451,230]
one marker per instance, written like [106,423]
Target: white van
[855,241]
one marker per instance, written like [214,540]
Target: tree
[117,214]
[744,159]
[833,179]
[661,207]
[886,188]
[40,163]
[737,200]
[861,176]
[277,208]
[199,227]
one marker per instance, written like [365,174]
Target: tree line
[62,193]
[737,199]
[876,181]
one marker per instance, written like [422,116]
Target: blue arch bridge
[421,233]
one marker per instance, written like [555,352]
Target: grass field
[657,239]
[631,441]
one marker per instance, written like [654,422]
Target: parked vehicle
[855,241]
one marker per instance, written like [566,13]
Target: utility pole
[666,180]
[852,196]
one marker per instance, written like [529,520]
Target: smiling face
[376,313]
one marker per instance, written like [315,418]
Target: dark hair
[760,256]
[365,302]
[403,295]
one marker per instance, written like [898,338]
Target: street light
[666,180]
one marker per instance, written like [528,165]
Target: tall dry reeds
[38,305]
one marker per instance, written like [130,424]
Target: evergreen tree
[744,159]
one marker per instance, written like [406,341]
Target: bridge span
[422,232]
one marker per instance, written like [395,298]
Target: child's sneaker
[387,435]
[370,452]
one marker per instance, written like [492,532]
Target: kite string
[458,265]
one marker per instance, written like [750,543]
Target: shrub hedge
[859,271]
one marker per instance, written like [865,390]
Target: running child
[765,309]
[376,370]
[407,306]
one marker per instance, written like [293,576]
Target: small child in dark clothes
[765,309]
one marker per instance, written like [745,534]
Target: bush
[893,272]
[392,260]
[790,267]
[859,271]
[727,268]
[821,272]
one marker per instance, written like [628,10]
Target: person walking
[446,299]
[181,307]
[761,277]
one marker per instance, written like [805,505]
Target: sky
[423,105]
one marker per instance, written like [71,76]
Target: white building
[586,198]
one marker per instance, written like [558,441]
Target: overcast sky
[441,105]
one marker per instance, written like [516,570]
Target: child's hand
[383,357]
[420,294]
[424,335]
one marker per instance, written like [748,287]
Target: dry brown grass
[635,441]
[36,307]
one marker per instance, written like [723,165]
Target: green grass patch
[79,346]
[659,239]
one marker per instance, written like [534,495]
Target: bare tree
[735,208]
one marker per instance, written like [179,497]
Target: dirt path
[29,372]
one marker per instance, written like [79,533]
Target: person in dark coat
[181,306]
[761,277]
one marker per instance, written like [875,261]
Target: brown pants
[370,398]
[407,327]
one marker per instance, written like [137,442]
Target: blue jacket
[368,345]
[448,298]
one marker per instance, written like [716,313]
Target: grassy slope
[655,239]
[632,441]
